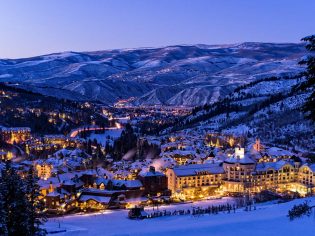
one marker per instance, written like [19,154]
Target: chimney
[51,188]
[152,169]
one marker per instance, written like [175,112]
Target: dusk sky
[36,27]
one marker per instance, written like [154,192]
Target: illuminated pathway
[75,132]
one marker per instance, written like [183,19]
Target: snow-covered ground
[107,136]
[268,219]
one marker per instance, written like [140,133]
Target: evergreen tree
[19,204]
[300,210]
[89,147]
[3,203]
[14,213]
[35,207]
[309,61]
[126,142]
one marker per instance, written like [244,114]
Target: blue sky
[35,27]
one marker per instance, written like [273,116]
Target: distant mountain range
[187,75]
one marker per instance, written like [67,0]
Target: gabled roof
[128,183]
[151,174]
[120,183]
[311,166]
[53,194]
[272,165]
[100,199]
[99,181]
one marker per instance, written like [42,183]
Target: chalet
[154,182]
[92,198]
[95,199]
[115,184]
[53,200]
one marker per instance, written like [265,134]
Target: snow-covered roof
[88,172]
[311,166]
[246,160]
[184,152]
[53,194]
[68,182]
[275,151]
[44,184]
[16,129]
[100,199]
[264,166]
[127,183]
[191,170]
[68,176]
[150,173]
[54,136]
[99,181]
[103,172]
[163,163]
[120,183]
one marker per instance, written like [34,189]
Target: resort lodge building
[240,174]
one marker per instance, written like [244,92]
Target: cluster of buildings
[50,143]
[63,161]
[15,134]
[190,166]
[242,173]
[36,146]
[96,189]
[126,184]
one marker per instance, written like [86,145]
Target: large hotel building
[241,173]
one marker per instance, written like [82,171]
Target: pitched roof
[128,183]
[100,199]
[272,165]
[151,173]
[311,166]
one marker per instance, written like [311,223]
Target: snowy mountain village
[77,174]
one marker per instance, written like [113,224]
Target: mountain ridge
[173,75]
[270,109]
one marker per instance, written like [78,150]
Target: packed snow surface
[107,136]
[269,219]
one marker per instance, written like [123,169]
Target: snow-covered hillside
[267,108]
[176,75]
[268,219]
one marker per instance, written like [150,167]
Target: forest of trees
[309,61]
[130,142]
[21,211]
